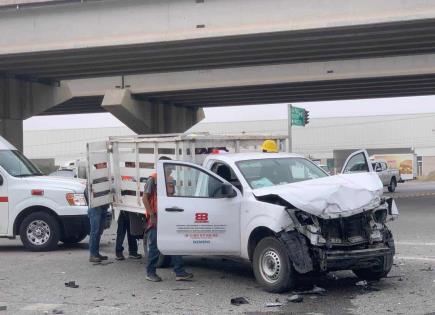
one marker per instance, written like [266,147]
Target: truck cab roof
[236,157]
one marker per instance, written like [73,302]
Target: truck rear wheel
[73,239]
[39,232]
[393,185]
[272,266]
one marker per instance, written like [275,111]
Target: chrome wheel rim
[270,266]
[38,232]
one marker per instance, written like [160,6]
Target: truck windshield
[271,172]
[16,164]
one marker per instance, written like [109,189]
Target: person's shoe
[120,256]
[94,259]
[153,278]
[102,257]
[183,276]
[135,256]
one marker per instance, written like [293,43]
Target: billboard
[405,163]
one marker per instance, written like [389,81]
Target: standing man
[150,202]
[97,220]
[124,228]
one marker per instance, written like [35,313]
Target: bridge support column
[20,100]
[148,118]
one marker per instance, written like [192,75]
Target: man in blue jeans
[124,229]
[150,202]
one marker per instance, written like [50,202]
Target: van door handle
[174,209]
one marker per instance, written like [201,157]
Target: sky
[366,107]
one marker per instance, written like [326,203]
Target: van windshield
[16,164]
[271,172]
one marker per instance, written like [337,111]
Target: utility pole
[289,117]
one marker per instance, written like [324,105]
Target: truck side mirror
[378,168]
[228,191]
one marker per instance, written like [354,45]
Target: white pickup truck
[388,176]
[280,211]
[42,210]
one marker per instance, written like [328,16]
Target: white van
[42,210]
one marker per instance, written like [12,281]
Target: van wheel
[272,266]
[73,239]
[393,185]
[40,232]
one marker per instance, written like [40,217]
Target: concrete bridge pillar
[20,100]
[144,117]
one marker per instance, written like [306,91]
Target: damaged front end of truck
[339,223]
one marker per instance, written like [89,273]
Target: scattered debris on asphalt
[55,311]
[314,290]
[296,298]
[99,300]
[273,304]
[3,307]
[103,263]
[427,269]
[239,301]
[368,286]
[71,284]
[182,289]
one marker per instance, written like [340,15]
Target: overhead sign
[297,116]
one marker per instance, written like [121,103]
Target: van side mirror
[228,191]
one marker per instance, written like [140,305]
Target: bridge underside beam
[187,35]
[317,81]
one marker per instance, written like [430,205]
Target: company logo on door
[201,217]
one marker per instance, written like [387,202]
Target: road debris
[103,263]
[182,289]
[314,290]
[362,283]
[275,304]
[3,307]
[55,311]
[239,301]
[368,286]
[71,284]
[295,298]
[427,269]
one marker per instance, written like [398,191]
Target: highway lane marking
[415,243]
[415,258]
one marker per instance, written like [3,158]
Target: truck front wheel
[393,185]
[272,266]
[39,232]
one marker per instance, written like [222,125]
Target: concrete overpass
[154,64]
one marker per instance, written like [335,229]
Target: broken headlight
[380,215]
[304,218]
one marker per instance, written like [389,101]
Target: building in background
[324,139]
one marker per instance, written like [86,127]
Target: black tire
[377,272]
[73,239]
[393,185]
[40,232]
[272,266]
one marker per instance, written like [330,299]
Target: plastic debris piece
[314,290]
[239,301]
[3,307]
[71,284]
[273,304]
[362,283]
[296,298]
[55,311]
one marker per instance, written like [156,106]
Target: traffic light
[306,117]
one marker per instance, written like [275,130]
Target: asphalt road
[33,283]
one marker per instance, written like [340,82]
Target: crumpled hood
[331,197]
[46,182]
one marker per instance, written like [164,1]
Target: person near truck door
[150,202]
[122,230]
[97,218]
